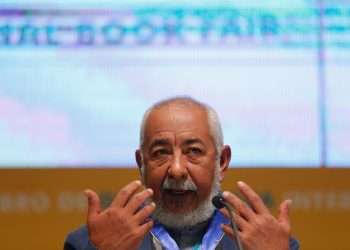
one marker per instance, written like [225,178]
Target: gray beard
[202,213]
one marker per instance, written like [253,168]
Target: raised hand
[258,228]
[123,225]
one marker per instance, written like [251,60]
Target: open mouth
[179,200]
[178,192]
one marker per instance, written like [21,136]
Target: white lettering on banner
[71,202]
[345,200]
[5,203]
[319,200]
[40,202]
[24,202]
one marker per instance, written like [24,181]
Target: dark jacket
[158,238]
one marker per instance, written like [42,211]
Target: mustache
[187,184]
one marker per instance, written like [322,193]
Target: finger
[138,199]
[228,230]
[241,223]
[125,193]
[283,214]
[145,213]
[240,207]
[145,228]
[94,204]
[254,199]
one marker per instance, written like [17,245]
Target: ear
[138,158]
[139,161]
[225,158]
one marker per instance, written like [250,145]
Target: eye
[160,152]
[195,151]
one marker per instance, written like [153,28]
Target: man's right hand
[123,225]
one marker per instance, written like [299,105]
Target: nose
[177,170]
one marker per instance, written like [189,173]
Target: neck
[189,236]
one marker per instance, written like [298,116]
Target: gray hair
[213,119]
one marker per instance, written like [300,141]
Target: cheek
[203,178]
[154,180]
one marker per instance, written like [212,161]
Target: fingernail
[153,204]
[150,190]
[225,194]
[240,183]
[138,182]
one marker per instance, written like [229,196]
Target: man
[182,161]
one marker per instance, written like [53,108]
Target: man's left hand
[258,228]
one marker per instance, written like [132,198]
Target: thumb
[283,214]
[94,204]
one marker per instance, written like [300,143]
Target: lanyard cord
[197,246]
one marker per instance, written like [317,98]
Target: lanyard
[197,247]
[209,241]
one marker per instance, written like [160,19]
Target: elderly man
[182,161]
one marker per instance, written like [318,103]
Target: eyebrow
[159,142]
[193,141]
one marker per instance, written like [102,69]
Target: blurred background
[76,77]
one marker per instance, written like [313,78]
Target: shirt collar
[210,240]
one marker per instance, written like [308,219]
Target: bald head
[178,104]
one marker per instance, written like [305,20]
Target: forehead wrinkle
[159,142]
[162,140]
[162,136]
[188,137]
[171,111]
